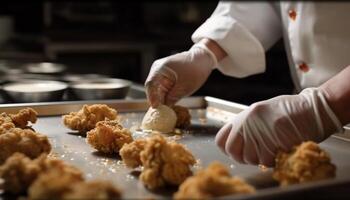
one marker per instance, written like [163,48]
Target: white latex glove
[255,134]
[179,75]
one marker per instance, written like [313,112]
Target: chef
[234,40]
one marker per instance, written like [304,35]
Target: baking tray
[208,115]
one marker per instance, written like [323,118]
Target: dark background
[123,39]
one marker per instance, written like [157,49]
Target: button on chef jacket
[316,36]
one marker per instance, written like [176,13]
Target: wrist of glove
[179,75]
[256,134]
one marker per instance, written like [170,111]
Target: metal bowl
[45,68]
[82,77]
[25,76]
[34,91]
[102,88]
[10,67]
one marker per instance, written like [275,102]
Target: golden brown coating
[165,162]
[307,162]
[130,153]
[108,136]
[19,120]
[19,171]
[177,161]
[214,181]
[53,184]
[24,116]
[6,123]
[86,118]
[25,141]
[47,164]
[183,116]
[96,189]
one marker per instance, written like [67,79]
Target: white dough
[162,119]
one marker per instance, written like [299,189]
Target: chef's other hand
[256,134]
[179,75]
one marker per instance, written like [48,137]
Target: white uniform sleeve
[245,30]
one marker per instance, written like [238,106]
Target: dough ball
[162,119]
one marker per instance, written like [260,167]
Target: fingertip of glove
[222,135]
[234,148]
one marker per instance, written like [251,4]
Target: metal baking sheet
[208,115]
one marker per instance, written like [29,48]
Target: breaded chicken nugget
[87,118]
[24,141]
[307,162]
[108,136]
[214,181]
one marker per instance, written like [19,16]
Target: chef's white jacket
[316,35]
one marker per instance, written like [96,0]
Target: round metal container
[45,68]
[26,91]
[96,89]
[10,67]
[24,76]
[82,77]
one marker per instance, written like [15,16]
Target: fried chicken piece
[96,189]
[307,162]
[130,153]
[48,164]
[177,161]
[165,162]
[25,141]
[86,118]
[19,120]
[108,136]
[183,116]
[19,171]
[6,123]
[214,181]
[53,184]
[24,116]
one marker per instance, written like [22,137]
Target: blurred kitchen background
[121,40]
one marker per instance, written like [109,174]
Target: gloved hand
[179,75]
[256,134]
